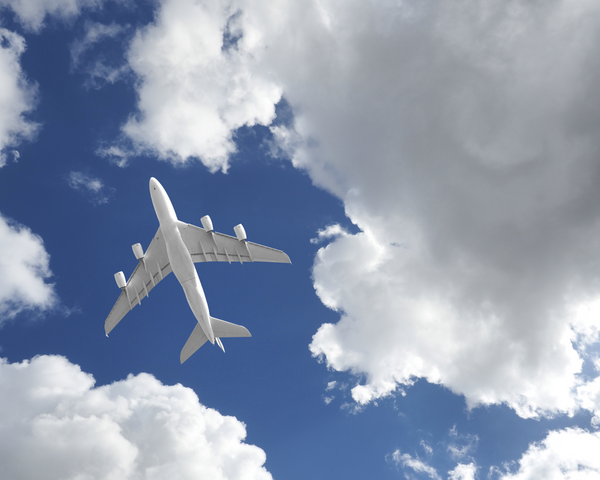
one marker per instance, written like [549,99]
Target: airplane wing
[217,247]
[153,267]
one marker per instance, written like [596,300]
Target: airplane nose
[153,183]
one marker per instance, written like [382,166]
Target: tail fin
[221,328]
[196,340]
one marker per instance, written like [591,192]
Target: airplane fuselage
[179,257]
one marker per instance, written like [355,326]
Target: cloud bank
[462,139]
[24,269]
[55,424]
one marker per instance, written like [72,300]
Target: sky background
[430,167]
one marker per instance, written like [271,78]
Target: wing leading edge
[150,270]
[217,247]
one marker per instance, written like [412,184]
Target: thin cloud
[415,464]
[86,57]
[91,187]
[18,97]
[32,14]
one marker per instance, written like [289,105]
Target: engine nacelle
[207,223]
[240,233]
[138,251]
[120,279]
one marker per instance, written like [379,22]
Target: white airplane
[175,248]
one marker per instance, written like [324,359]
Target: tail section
[196,340]
[220,328]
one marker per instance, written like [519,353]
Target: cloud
[463,472]
[461,138]
[32,13]
[461,141]
[96,62]
[563,455]
[55,424]
[329,232]
[415,464]
[24,267]
[195,86]
[461,445]
[90,187]
[17,96]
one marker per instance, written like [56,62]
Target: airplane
[175,248]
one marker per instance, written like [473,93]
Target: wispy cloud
[95,62]
[91,187]
[18,97]
[32,13]
[416,464]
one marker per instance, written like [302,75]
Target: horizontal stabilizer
[196,340]
[221,328]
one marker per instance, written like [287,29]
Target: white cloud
[329,232]
[56,425]
[570,454]
[463,472]
[32,13]
[24,267]
[193,92]
[96,63]
[90,186]
[462,138]
[461,445]
[17,96]
[415,464]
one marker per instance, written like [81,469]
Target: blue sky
[431,169]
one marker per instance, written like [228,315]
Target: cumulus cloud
[563,455]
[17,96]
[462,139]
[55,424]
[24,269]
[32,13]
[196,84]
[91,187]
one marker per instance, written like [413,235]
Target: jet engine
[240,233]
[120,279]
[207,223]
[138,251]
